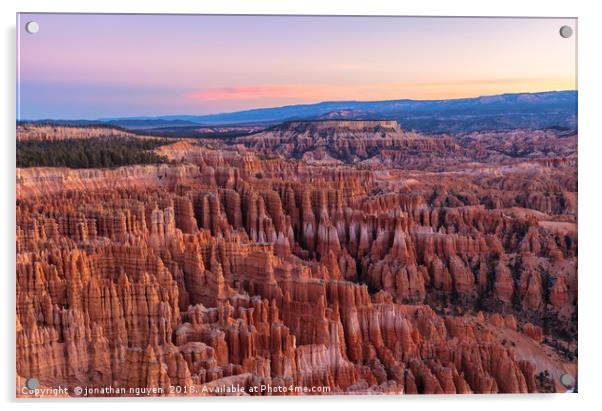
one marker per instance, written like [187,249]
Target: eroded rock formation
[229,268]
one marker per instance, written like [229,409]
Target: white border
[590,160]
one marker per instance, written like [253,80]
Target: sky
[89,66]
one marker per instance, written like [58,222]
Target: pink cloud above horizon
[379,91]
[251,92]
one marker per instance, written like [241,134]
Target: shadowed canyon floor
[343,257]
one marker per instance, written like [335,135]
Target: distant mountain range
[553,109]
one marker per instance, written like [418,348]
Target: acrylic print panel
[295,205]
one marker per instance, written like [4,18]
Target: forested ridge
[89,153]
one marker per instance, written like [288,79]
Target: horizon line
[156,116]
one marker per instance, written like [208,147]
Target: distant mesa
[553,109]
[348,141]
[375,126]
[333,129]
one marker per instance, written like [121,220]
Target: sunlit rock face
[349,255]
